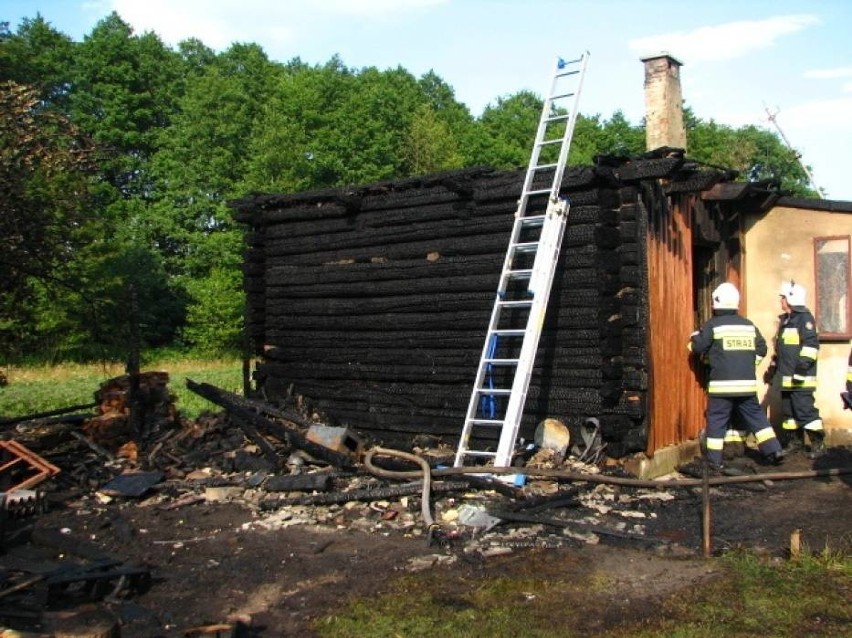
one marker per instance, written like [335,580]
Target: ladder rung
[532,220]
[489,422]
[564,63]
[502,362]
[509,332]
[526,273]
[540,191]
[562,95]
[554,141]
[526,247]
[479,453]
[558,118]
[562,75]
[542,167]
[495,391]
[516,303]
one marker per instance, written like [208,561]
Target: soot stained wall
[372,302]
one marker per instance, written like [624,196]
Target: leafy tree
[44,164]
[202,162]
[124,95]
[37,56]
[214,321]
[757,154]
[179,133]
[430,145]
[506,131]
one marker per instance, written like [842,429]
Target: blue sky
[792,57]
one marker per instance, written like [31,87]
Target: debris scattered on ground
[286,469]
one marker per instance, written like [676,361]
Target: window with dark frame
[832,310]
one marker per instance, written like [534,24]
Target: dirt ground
[222,560]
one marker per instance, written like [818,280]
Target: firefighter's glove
[769,374]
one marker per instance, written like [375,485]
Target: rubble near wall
[373,302]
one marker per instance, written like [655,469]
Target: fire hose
[426,473]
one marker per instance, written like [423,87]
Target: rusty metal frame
[21,455]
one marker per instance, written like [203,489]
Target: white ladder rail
[540,280]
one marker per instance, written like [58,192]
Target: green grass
[34,389]
[754,597]
[761,597]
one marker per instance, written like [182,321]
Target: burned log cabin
[372,302]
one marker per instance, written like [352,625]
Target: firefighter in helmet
[847,396]
[795,359]
[733,347]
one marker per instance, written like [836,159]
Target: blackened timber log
[482,245]
[565,375]
[448,302]
[256,438]
[380,237]
[298,483]
[439,266]
[585,286]
[374,494]
[290,435]
[467,183]
[564,317]
[395,218]
[322,345]
[43,415]
[302,347]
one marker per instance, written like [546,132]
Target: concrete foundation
[664,460]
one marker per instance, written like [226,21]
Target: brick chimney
[663,103]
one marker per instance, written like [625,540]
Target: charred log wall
[373,302]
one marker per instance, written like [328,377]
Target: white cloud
[723,41]
[829,74]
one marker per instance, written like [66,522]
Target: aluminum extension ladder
[506,364]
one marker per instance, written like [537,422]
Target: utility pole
[773,118]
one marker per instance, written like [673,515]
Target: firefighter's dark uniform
[849,373]
[796,350]
[847,396]
[733,346]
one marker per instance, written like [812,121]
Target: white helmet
[726,297]
[793,292]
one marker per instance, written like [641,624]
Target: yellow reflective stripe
[789,424]
[790,336]
[735,436]
[715,444]
[815,425]
[809,382]
[757,359]
[689,346]
[809,352]
[849,374]
[732,387]
[734,331]
[764,435]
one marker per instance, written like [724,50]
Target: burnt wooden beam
[726,191]
[298,483]
[43,415]
[235,405]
